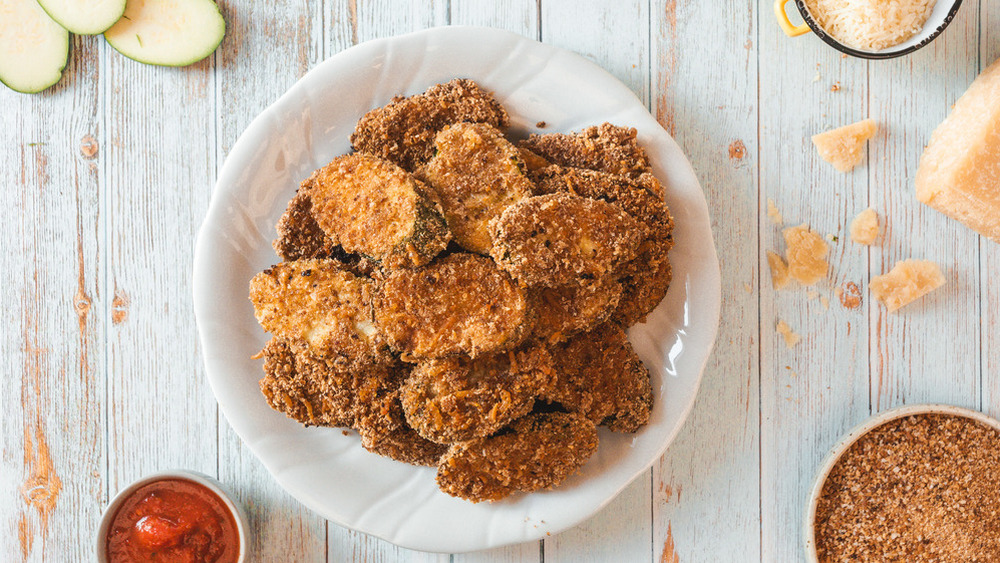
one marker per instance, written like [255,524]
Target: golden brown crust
[561,312]
[555,239]
[540,451]
[599,375]
[457,399]
[477,174]
[403,131]
[377,209]
[606,147]
[461,303]
[306,388]
[317,302]
[299,235]
[382,425]
[646,278]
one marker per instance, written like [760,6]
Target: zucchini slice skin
[180,34]
[34,49]
[84,17]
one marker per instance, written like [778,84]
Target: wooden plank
[52,394]
[268,46]
[616,37]
[161,162]
[910,363]
[518,16]
[989,258]
[812,393]
[708,480]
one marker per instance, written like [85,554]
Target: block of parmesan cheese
[908,281]
[864,227]
[844,147]
[959,172]
[806,255]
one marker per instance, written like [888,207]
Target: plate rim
[261,121]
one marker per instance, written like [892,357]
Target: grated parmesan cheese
[864,227]
[844,147]
[908,281]
[871,25]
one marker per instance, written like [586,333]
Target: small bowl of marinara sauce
[172,517]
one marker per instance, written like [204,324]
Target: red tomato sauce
[173,521]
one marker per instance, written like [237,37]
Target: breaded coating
[540,451]
[306,388]
[531,160]
[477,174]
[561,312]
[382,425]
[299,235]
[457,399]
[459,304]
[377,209]
[317,302]
[555,239]
[646,278]
[403,131]
[606,148]
[599,375]
[645,281]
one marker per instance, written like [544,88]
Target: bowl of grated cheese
[870,29]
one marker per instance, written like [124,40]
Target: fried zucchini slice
[456,399]
[645,280]
[531,160]
[606,148]
[459,304]
[377,209]
[477,174]
[561,312]
[306,388]
[299,235]
[540,451]
[403,131]
[382,426]
[556,239]
[320,304]
[599,375]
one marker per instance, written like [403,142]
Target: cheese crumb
[908,281]
[806,255]
[812,294]
[774,214]
[791,339]
[844,147]
[959,172]
[779,270]
[864,227]
[825,302]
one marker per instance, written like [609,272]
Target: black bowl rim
[878,55]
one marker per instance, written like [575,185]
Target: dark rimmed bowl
[944,12]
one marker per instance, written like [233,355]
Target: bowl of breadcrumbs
[915,483]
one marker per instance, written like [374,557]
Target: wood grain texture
[989,256]
[268,46]
[161,164]
[812,393]
[707,481]
[616,37]
[906,365]
[52,392]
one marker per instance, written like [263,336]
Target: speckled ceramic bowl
[209,483]
[944,12]
[853,436]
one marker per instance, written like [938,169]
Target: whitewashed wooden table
[106,177]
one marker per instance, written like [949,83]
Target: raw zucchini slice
[168,33]
[33,48]
[85,17]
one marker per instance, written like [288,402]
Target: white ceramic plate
[310,125]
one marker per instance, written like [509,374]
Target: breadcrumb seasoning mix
[918,488]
